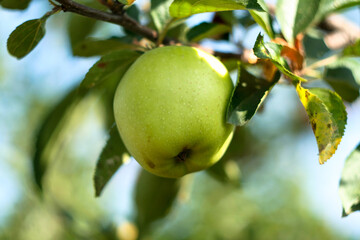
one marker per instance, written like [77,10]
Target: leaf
[353,50]
[229,18]
[291,53]
[273,52]
[133,12]
[231,64]
[344,76]
[15,4]
[154,197]
[186,8]
[343,82]
[113,63]
[160,13]
[314,45]
[350,183]
[329,6]
[113,155]
[294,16]
[247,96]
[327,116]
[49,130]
[350,63]
[79,28]
[93,47]
[127,2]
[206,30]
[25,37]
[178,31]
[263,19]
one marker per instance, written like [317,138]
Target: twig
[115,6]
[123,20]
[119,17]
[342,32]
[162,34]
[228,55]
[321,63]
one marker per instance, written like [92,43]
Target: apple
[170,109]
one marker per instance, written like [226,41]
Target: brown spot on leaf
[328,125]
[313,125]
[101,65]
[321,147]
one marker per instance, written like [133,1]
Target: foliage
[294,55]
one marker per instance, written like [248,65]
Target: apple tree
[305,45]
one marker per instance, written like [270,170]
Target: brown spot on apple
[150,164]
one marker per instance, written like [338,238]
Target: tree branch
[123,20]
[341,32]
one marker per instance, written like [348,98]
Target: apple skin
[170,109]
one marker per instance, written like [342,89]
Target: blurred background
[283,193]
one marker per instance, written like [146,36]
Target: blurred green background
[282,193]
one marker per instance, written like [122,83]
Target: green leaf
[344,76]
[160,13]
[79,28]
[229,18]
[295,16]
[246,20]
[247,96]
[329,6]
[127,2]
[350,183]
[272,51]
[314,45]
[353,50]
[113,155]
[263,19]
[327,116]
[49,131]
[343,82]
[206,30]
[15,4]
[178,31]
[133,12]
[25,37]
[186,8]
[93,47]
[350,63]
[231,64]
[154,197]
[113,63]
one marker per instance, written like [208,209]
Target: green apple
[170,109]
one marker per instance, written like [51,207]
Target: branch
[123,20]
[228,55]
[342,32]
